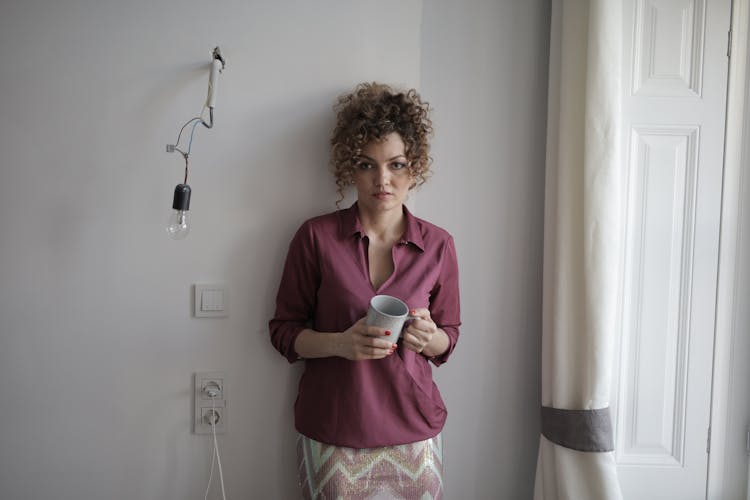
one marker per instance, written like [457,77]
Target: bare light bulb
[178,225]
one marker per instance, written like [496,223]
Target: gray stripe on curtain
[582,430]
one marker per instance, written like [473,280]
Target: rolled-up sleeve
[445,308]
[295,300]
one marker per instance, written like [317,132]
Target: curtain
[582,252]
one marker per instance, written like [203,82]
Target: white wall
[97,345]
[485,70]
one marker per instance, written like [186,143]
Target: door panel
[675,66]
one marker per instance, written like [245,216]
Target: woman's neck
[383,226]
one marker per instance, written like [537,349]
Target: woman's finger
[413,342]
[375,347]
[422,312]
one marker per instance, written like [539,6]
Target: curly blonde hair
[372,112]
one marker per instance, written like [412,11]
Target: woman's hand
[360,341]
[423,336]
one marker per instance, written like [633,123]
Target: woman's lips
[382,195]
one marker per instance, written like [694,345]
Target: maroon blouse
[326,286]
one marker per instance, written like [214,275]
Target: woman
[368,414]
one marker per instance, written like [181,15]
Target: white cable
[215,456]
[211,473]
[218,458]
[213,77]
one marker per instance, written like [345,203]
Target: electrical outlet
[202,425]
[211,414]
[215,413]
[210,398]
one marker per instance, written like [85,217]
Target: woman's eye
[364,165]
[398,165]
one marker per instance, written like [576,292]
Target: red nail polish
[387,332]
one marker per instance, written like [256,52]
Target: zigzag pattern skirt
[411,471]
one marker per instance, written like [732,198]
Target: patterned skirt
[411,471]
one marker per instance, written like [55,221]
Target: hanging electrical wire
[177,226]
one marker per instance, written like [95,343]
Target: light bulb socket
[181,197]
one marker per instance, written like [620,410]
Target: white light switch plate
[210,300]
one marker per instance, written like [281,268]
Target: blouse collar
[351,225]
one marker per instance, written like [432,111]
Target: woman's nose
[382,176]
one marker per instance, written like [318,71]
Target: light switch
[209,301]
[212,300]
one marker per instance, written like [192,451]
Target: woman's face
[382,175]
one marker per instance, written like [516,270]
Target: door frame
[725,411]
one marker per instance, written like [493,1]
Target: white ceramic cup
[389,313]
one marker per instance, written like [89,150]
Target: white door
[675,77]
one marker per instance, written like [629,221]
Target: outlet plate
[202,381]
